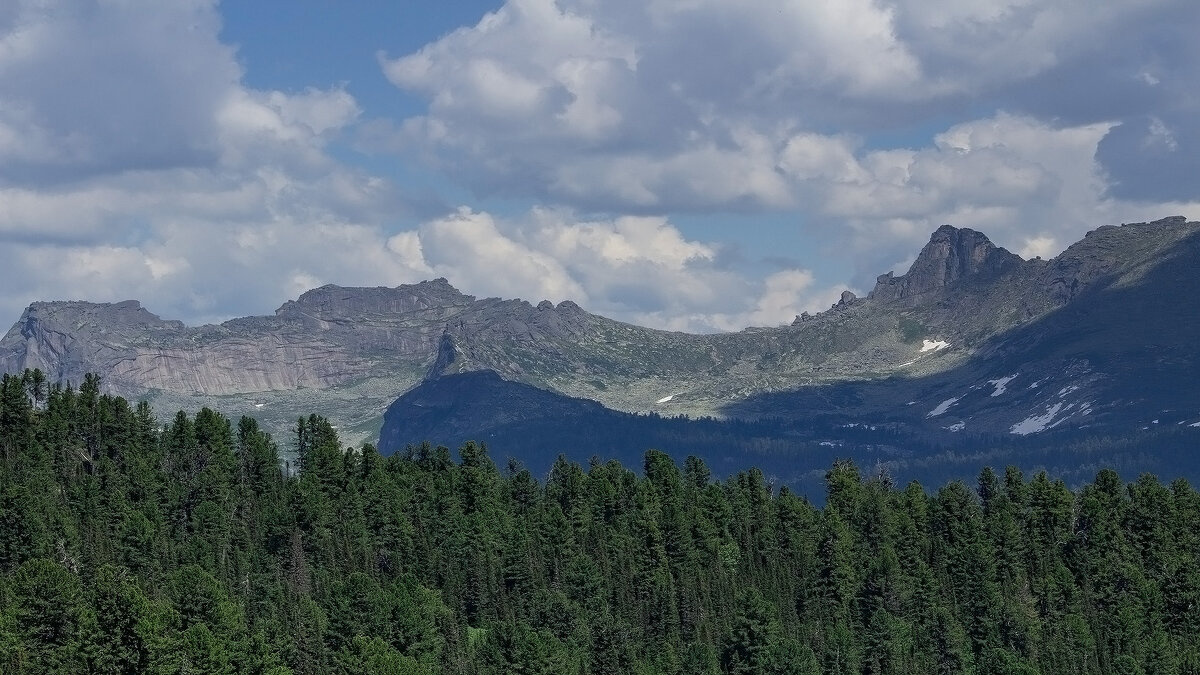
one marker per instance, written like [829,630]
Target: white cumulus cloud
[134,163]
[638,269]
[702,105]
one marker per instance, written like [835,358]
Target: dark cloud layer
[1153,158]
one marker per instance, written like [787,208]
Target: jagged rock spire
[951,254]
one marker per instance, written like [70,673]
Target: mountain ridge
[357,349]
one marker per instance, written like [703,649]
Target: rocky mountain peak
[952,254]
[1111,251]
[333,303]
[78,315]
[50,335]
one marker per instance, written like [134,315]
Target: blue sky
[687,164]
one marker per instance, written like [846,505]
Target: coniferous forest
[130,544]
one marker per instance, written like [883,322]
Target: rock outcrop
[327,337]
[952,254]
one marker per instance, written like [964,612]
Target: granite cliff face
[327,337]
[963,307]
[350,349]
[951,255]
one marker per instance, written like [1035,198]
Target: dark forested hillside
[130,544]
[536,427]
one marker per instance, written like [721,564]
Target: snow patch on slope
[665,399]
[926,346]
[1036,423]
[1001,383]
[943,407]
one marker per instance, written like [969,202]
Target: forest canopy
[132,545]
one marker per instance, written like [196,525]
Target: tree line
[132,545]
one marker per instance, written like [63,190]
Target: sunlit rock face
[328,336]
